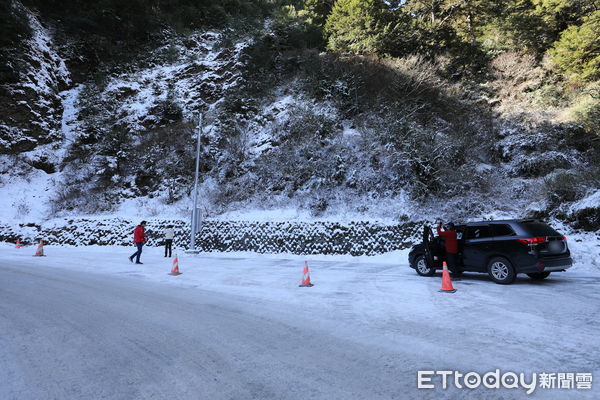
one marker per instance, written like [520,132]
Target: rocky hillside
[30,104]
[329,134]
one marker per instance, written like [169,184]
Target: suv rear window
[502,230]
[478,232]
[539,229]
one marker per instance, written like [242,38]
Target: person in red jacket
[451,244]
[139,238]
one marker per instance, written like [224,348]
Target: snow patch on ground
[385,301]
[145,207]
[585,251]
[25,198]
[349,129]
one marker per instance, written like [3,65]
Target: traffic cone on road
[18,245]
[306,276]
[446,281]
[175,269]
[40,249]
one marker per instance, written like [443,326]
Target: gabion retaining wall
[319,237]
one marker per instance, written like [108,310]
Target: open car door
[428,245]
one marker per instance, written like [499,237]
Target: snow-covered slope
[293,135]
[30,107]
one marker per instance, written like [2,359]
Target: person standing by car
[139,238]
[169,240]
[450,244]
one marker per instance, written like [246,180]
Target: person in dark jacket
[139,238]
[451,245]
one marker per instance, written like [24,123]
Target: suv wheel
[501,270]
[538,276]
[422,268]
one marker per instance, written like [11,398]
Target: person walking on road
[139,238]
[169,240]
[451,245]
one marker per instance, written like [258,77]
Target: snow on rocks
[297,237]
[31,106]
[194,72]
[586,212]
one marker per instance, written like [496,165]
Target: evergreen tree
[317,11]
[353,25]
[577,53]
[513,25]
[298,28]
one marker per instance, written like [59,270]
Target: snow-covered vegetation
[100,128]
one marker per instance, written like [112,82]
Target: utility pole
[195,205]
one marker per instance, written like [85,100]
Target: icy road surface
[84,323]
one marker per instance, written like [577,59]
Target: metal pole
[195,205]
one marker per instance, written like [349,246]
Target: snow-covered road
[84,323]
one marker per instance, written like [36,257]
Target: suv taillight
[532,241]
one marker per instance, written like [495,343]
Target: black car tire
[501,271]
[538,276]
[421,266]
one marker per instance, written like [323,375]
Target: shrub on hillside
[586,112]
[576,52]
[515,74]
[169,110]
[562,187]
[541,164]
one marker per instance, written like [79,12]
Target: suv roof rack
[524,220]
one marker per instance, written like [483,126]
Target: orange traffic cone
[18,245]
[175,270]
[306,276]
[40,250]
[446,281]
